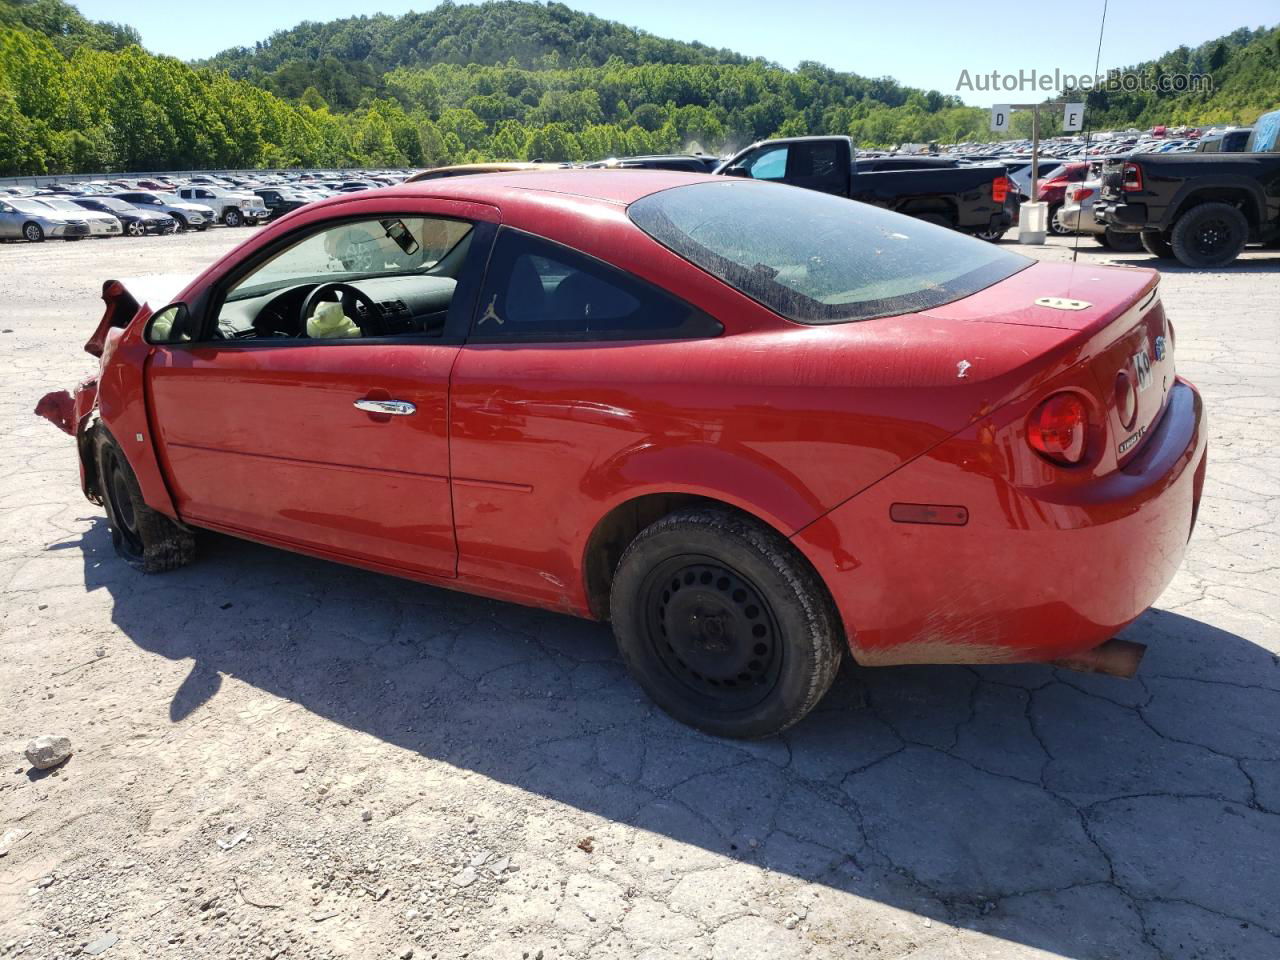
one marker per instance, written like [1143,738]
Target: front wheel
[1209,235]
[723,624]
[145,538]
[33,232]
[181,221]
[135,228]
[233,218]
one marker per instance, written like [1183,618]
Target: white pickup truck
[229,206]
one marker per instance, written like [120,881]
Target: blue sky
[922,43]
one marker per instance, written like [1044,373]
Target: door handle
[395,408]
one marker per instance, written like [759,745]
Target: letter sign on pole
[1000,117]
[1073,117]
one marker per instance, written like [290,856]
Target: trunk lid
[1111,319]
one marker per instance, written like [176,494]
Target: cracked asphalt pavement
[279,757]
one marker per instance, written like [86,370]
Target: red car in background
[1054,192]
[751,425]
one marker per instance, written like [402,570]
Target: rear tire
[148,540]
[1056,227]
[1209,235]
[752,643]
[33,232]
[1123,242]
[1156,245]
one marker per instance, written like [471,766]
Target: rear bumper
[1034,575]
[1124,217]
[1079,220]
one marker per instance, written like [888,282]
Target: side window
[353,279]
[814,160]
[768,164]
[536,290]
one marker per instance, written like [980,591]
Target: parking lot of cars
[161,204]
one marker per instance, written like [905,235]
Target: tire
[1123,242]
[183,226]
[233,217]
[1056,227]
[135,228]
[148,540]
[1101,240]
[1156,245]
[752,644]
[991,236]
[1209,235]
[33,232]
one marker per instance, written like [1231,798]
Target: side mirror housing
[736,172]
[173,324]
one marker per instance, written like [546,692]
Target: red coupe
[749,424]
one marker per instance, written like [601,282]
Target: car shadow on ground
[1081,815]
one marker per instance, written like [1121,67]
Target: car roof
[619,187]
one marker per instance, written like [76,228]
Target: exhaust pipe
[1116,658]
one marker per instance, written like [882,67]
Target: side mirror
[736,172]
[173,324]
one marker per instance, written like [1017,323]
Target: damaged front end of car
[75,414]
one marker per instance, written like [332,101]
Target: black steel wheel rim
[122,510]
[1213,236]
[713,631]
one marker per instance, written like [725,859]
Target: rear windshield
[816,258]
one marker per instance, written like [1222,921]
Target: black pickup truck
[977,200]
[1201,208]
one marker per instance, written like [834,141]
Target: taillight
[1081,193]
[1132,177]
[999,189]
[1058,429]
[1126,399]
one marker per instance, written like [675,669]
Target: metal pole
[1035,150]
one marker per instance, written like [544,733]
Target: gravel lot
[279,757]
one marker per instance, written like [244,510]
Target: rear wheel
[33,232]
[147,539]
[1056,226]
[723,624]
[1123,242]
[1209,235]
[1156,245]
[233,217]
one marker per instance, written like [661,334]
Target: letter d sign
[1000,117]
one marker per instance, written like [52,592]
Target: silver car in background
[27,218]
[100,224]
[190,216]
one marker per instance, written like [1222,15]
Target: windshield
[816,258]
[111,203]
[28,205]
[58,203]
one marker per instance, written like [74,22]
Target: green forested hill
[497,80]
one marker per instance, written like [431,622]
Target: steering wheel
[372,324]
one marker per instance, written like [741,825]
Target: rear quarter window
[816,258]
